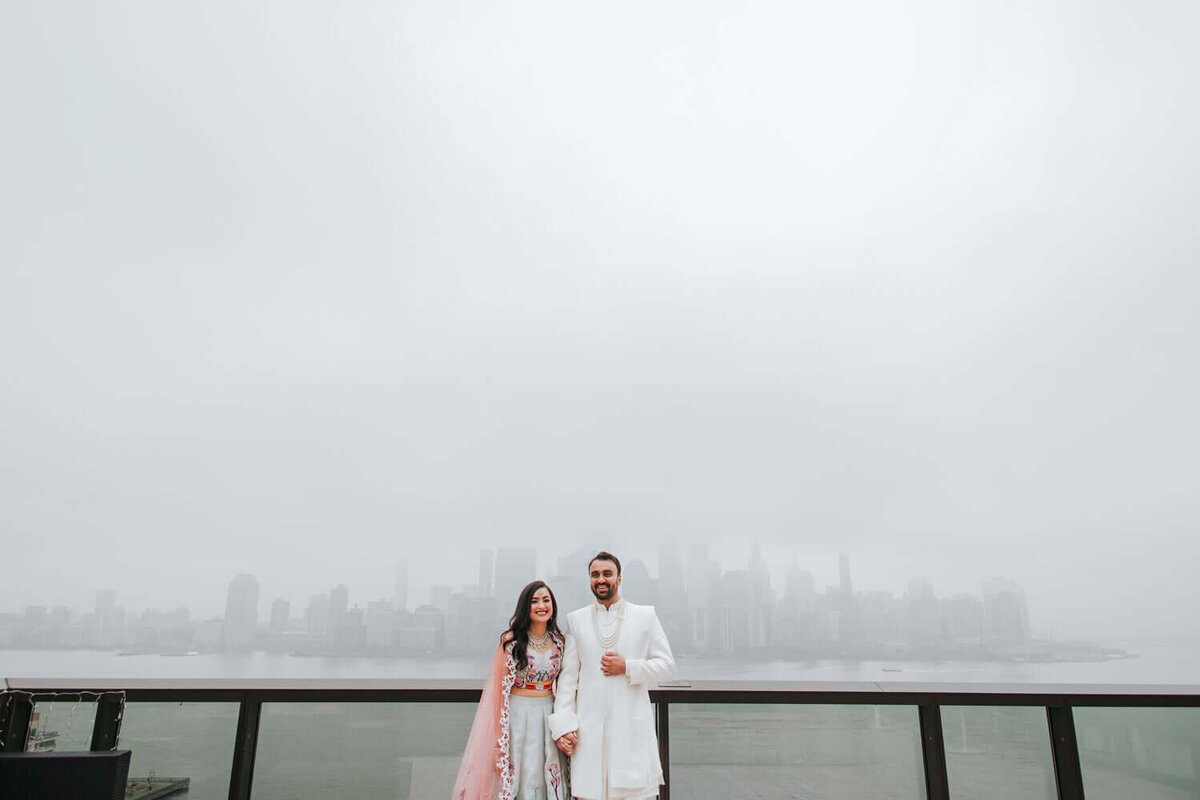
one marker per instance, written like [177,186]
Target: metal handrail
[1058,700]
[703,691]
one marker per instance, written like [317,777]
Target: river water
[1173,664]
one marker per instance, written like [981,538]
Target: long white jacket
[586,697]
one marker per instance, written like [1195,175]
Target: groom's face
[604,579]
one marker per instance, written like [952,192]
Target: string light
[34,698]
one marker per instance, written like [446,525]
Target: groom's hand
[612,664]
[567,742]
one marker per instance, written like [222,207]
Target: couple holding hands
[566,712]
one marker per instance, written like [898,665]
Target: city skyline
[706,608]
[1063,613]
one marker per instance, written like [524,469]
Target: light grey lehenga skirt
[542,772]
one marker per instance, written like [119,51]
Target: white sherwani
[617,754]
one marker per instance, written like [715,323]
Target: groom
[602,715]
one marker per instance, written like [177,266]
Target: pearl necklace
[608,642]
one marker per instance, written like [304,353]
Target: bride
[510,753]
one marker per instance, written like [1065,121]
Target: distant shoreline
[1056,653]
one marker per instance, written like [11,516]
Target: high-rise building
[515,568]
[880,622]
[923,624]
[316,616]
[670,569]
[761,599]
[439,596]
[735,620]
[381,625]
[400,595]
[425,631]
[486,565]
[636,582]
[799,583]
[280,609]
[672,600]
[570,582]
[1005,614]
[351,635]
[844,582]
[964,619]
[104,626]
[106,600]
[795,624]
[339,604]
[847,608]
[241,613]
[703,591]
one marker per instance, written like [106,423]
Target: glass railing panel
[353,750]
[61,725]
[180,745]
[998,753]
[1147,753]
[780,752]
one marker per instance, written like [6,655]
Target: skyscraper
[703,589]
[280,609]
[486,565]
[241,613]
[316,616]
[339,604]
[381,625]
[923,625]
[400,595]
[515,567]
[1005,613]
[847,607]
[104,626]
[106,600]
[672,598]
[761,599]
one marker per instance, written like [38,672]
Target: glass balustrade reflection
[180,745]
[1147,753]
[778,752]
[61,725]
[352,750]
[998,753]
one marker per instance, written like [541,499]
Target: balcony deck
[718,739]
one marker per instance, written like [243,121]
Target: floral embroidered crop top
[540,669]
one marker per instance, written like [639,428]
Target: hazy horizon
[300,291]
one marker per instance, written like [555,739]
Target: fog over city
[304,290]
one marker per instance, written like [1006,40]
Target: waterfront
[1154,663]
[759,752]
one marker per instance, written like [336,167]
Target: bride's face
[541,607]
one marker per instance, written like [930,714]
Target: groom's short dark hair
[604,555]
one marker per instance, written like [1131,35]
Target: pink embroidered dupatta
[479,774]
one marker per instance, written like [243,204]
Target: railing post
[663,722]
[933,753]
[1067,772]
[241,777]
[15,712]
[110,708]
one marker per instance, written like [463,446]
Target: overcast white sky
[301,288]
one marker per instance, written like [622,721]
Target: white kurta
[617,754]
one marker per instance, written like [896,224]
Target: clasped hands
[567,742]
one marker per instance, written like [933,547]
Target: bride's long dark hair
[518,625]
